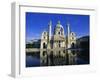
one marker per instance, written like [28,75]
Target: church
[56,42]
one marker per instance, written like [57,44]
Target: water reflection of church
[55,44]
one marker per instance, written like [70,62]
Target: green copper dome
[58,25]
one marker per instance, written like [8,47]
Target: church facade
[56,42]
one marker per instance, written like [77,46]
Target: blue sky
[36,23]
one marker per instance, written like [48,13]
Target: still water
[33,59]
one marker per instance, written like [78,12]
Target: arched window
[44,53]
[44,33]
[59,33]
[44,37]
[44,45]
[72,33]
[73,45]
[59,44]
[72,38]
